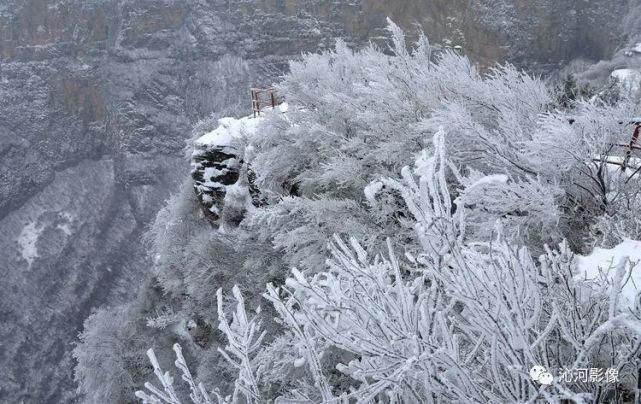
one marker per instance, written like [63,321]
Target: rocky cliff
[98,96]
[538,35]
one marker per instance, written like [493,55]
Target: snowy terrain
[603,263]
[106,254]
[374,240]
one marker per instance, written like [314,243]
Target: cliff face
[537,35]
[98,96]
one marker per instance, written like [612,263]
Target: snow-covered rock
[228,133]
[217,168]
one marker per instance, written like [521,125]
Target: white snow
[212,172]
[637,47]
[490,179]
[207,198]
[65,228]
[614,164]
[633,162]
[27,241]
[630,79]
[213,184]
[237,196]
[228,130]
[181,329]
[371,190]
[601,265]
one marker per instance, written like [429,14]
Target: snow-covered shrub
[458,321]
[244,338]
[357,116]
[624,221]
[296,226]
[176,225]
[583,153]
[568,92]
[108,357]
[448,289]
[528,207]
[198,393]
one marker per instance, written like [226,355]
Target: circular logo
[541,375]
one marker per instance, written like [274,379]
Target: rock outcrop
[223,180]
[217,163]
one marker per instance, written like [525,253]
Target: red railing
[633,145]
[263,98]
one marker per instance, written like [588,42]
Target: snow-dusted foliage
[460,321]
[107,356]
[168,393]
[356,116]
[425,232]
[244,338]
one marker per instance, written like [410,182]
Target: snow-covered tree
[360,115]
[460,321]
[432,213]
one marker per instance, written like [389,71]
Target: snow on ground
[629,79]
[601,265]
[65,226]
[614,165]
[228,130]
[27,241]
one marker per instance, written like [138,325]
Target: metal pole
[253,102]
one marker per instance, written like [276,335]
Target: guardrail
[263,98]
[633,146]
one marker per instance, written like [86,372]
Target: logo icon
[541,375]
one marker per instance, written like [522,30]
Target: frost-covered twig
[168,395]
[244,337]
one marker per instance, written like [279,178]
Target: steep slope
[96,100]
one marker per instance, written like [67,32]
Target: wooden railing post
[253,98]
[633,142]
[256,94]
